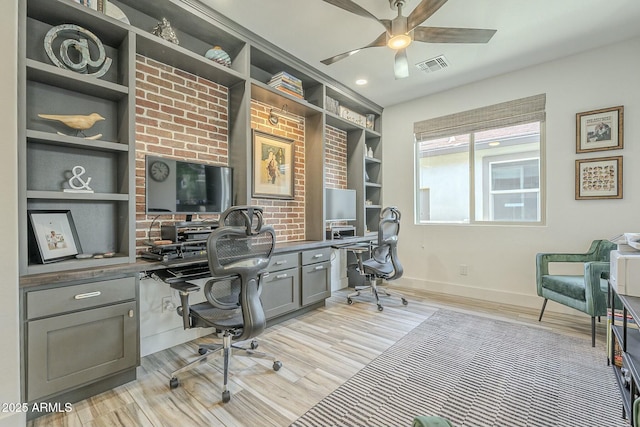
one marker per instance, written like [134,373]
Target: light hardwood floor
[319,350]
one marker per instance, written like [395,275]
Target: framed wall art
[599,178]
[272,171]
[54,236]
[599,130]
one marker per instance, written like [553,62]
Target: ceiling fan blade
[452,35]
[423,11]
[380,41]
[401,64]
[352,7]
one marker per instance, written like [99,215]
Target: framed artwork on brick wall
[273,166]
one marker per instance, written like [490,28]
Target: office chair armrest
[184,288]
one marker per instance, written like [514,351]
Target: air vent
[433,64]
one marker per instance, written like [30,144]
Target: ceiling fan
[402,30]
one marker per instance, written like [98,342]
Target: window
[489,172]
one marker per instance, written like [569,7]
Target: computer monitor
[185,187]
[340,204]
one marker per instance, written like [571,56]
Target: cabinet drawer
[316,282]
[284,261]
[68,351]
[318,255]
[281,292]
[48,302]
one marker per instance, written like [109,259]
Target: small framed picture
[599,178]
[273,170]
[93,4]
[54,235]
[599,130]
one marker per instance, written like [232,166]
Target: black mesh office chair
[239,252]
[384,263]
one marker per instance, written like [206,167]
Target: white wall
[9,324]
[501,259]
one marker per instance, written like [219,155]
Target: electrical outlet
[464,269]
[167,304]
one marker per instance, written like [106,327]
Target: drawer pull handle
[281,276]
[320,267]
[88,295]
[130,313]
[318,255]
[281,262]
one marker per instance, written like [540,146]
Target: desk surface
[146,265]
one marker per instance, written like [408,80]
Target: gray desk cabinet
[281,292]
[315,275]
[79,334]
[296,280]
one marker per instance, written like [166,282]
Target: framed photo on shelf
[599,178]
[93,4]
[272,171]
[599,130]
[54,235]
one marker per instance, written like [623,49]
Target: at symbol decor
[74,50]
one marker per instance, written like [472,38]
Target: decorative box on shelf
[332,105]
[352,116]
[371,121]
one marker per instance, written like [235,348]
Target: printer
[624,272]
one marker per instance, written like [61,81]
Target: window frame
[473,184]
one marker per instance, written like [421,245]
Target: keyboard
[188,272]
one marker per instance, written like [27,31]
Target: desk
[300,282]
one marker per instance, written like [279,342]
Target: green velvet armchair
[586,293]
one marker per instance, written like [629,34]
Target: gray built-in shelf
[45,88]
[104,219]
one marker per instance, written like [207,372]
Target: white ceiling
[529,32]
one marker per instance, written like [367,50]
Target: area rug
[478,371]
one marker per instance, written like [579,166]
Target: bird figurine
[76,121]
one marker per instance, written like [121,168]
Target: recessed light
[361,82]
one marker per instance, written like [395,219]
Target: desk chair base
[375,291]
[224,350]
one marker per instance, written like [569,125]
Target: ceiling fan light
[399,41]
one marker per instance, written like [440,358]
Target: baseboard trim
[531,301]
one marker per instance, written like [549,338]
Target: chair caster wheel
[202,351]
[277,365]
[349,301]
[380,308]
[173,383]
[405,302]
[254,344]
[226,396]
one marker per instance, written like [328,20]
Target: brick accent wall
[286,216]
[179,116]
[335,152]
[183,116]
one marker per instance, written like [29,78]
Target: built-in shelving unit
[49,150]
[105,219]
[254,62]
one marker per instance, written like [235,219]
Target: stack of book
[287,83]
